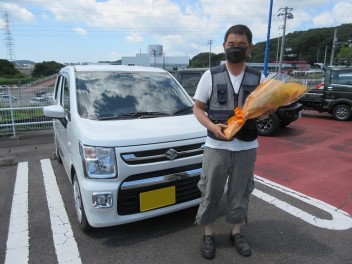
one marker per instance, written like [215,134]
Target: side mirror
[56,112]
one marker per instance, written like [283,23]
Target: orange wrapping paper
[268,96]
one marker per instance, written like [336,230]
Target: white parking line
[64,241]
[340,220]
[17,246]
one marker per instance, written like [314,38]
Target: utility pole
[210,42]
[277,52]
[333,48]
[8,38]
[326,52]
[286,12]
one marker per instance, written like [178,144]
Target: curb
[7,161]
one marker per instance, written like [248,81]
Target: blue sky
[100,30]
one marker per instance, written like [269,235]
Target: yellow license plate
[157,198]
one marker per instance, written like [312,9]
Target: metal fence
[21,109]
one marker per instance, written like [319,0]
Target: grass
[16,80]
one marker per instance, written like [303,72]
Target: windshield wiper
[133,115]
[116,116]
[181,110]
[147,114]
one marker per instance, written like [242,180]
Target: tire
[57,152]
[58,156]
[285,124]
[342,112]
[268,126]
[79,208]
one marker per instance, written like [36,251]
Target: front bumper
[126,198]
[289,113]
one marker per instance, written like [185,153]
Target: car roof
[340,68]
[109,67]
[193,70]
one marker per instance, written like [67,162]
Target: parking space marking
[17,246]
[340,220]
[65,244]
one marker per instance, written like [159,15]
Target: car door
[340,85]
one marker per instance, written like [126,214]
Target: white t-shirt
[203,94]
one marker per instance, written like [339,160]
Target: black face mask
[235,54]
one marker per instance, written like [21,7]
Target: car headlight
[98,162]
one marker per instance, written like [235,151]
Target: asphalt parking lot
[300,211]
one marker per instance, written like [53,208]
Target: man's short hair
[239,30]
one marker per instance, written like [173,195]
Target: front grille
[164,154]
[186,190]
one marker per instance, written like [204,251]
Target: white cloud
[134,38]
[323,19]
[183,27]
[342,12]
[80,31]
[17,13]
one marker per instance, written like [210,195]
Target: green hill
[307,45]
[22,62]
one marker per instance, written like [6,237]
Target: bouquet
[275,91]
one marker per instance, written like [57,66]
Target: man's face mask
[235,54]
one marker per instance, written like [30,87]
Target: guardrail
[15,121]
[21,110]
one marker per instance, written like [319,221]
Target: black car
[283,116]
[335,96]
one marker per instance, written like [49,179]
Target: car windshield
[126,95]
[189,81]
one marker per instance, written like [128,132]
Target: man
[220,90]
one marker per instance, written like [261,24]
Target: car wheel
[284,124]
[269,125]
[58,156]
[342,112]
[80,213]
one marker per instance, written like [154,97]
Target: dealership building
[157,58]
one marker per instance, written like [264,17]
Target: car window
[189,81]
[102,94]
[57,86]
[65,99]
[341,77]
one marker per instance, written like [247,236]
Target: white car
[40,101]
[129,142]
[4,97]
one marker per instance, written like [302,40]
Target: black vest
[224,100]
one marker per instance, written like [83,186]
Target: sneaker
[241,245]
[208,247]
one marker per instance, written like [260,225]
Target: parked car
[319,85]
[335,97]
[5,98]
[40,93]
[40,100]
[128,141]
[189,79]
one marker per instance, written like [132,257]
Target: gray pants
[218,166]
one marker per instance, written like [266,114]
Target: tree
[202,60]
[345,55]
[46,68]
[8,68]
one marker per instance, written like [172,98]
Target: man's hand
[218,129]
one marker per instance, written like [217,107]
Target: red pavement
[313,156]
